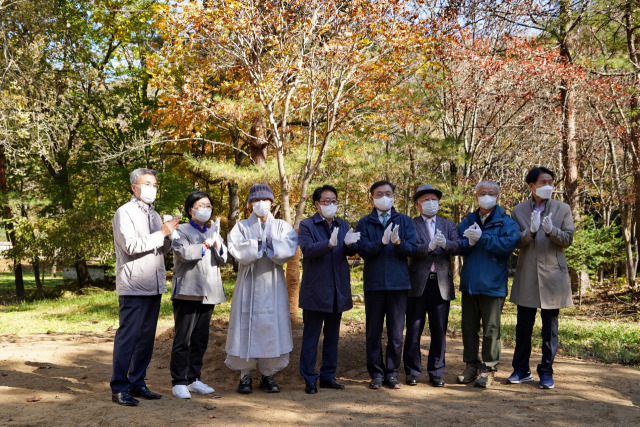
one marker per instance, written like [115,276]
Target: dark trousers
[190,341]
[133,344]
[486,311]
[429,303]
[313,325]
[524,330]
[393,306]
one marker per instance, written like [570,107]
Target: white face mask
[487,202]
[544,192]
[261,208]
[147,193]
[430,207]
[329,211]
[384,203]
[201,215]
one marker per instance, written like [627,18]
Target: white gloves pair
[392,234]
[350,238]
[438,240]
[473,233]
[547,225]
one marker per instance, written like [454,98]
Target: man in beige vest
[542,278]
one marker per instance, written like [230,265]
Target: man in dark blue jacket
[488,237]
[325,291]
[387,240]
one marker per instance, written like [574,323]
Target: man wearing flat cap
[259,325]
[431,286]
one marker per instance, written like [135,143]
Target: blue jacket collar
[373,216]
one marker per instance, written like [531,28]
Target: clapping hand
[351,237]
[547,225]
[473,233]
[333,240]
[535,221]
[387,234]
[395,235]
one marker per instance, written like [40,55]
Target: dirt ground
[63,380]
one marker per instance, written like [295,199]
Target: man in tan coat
[542,278]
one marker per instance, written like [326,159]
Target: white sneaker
[181,392]
[200,387]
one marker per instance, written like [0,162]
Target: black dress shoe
[332,383]
[436,381]
[145,393]
[393,383]
[268,384]
[411,380]
[310,388]
[124,398]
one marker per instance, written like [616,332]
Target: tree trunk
[234,214]
[84,279]
[36,274]
[17,272]
[258,143]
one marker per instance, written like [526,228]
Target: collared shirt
[430,221]
[380,218]
[540,208]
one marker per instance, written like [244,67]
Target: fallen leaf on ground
[35,398]
[209,407]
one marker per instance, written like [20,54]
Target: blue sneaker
[546,381]
[518,377]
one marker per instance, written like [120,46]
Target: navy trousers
[429,303]
[190,342]
[313,325]
[524,330]
[379,305]
[133,344]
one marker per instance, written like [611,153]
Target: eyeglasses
[328,202]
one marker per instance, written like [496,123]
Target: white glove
[209,242]
[351,237]
[395,235]
[473,233]
[433,243]
[387,234]
[440,239]
[535,221]
[333,240]
[547,225]
[174,235]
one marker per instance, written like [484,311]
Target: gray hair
[133,176]
[489,184]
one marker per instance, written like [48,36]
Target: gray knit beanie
[260,192]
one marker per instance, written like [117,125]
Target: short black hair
[193,198]
[380,184]
[534,174]
[317,193]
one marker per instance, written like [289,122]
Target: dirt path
[68,377]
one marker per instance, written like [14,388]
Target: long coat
[542,277]
[325,270]
[259,323]
[195,274]
[420,263]
[385,266]
[485,265]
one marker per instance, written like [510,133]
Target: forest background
[217,95]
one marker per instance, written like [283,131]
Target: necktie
[384,219]
[430,230]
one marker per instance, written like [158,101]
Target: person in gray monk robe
[259,324]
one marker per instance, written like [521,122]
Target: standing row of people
[407,278]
